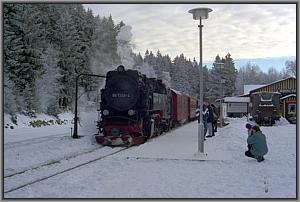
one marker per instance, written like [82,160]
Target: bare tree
[291,67]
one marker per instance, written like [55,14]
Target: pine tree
[104,56]
[179,74]
[229,74]
[215,79]
[222,78]
[22,35]
[150,59]
[47,84]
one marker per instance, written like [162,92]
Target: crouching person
[257,144]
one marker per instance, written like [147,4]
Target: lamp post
[199,14]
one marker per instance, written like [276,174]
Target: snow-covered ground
[165,167]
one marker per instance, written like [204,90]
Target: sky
[243,30]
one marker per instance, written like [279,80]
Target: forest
[47,45]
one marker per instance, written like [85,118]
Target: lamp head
[200,13]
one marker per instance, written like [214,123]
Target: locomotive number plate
[120,95]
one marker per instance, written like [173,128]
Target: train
[134,108]
[265,108]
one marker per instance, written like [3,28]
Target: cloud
[244,30]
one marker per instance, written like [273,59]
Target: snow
[248,88]
[291,95]
[282,121]
[23,131]
[164,167]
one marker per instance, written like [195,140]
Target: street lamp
[199,14]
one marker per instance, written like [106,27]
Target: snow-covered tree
[22,36]
[222,78]
[229,75]
[47,85]
[291,67]
[104,56]
[215,77]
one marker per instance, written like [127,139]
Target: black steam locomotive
[133,108]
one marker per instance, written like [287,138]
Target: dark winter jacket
[210,117]
[216,115]
[258,144]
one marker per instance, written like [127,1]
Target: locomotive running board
[171,159]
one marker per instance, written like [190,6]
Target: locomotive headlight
[105,112]
[131,112]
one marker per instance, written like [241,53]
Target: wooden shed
[287,88]
[289,106]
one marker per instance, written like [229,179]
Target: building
[288,101]
[239,105]
[288,107]
[235,106]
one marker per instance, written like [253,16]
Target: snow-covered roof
[236,99]
[291,95]
[175,91]
[248,88]
[266,92]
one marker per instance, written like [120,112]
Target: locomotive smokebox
[121,90]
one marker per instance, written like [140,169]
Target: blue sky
[243,30]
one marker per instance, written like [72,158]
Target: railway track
[32,141]
[53,161]
[15,181]
[14,184]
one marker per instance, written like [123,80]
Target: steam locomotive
[135,108]
[265,107]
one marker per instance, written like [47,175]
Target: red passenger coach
[193,103]
[180,108]
[185,108]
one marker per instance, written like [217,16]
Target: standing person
[204,117]
[210,120]
[257,143]
[215,121]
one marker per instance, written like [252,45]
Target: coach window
[292,109]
